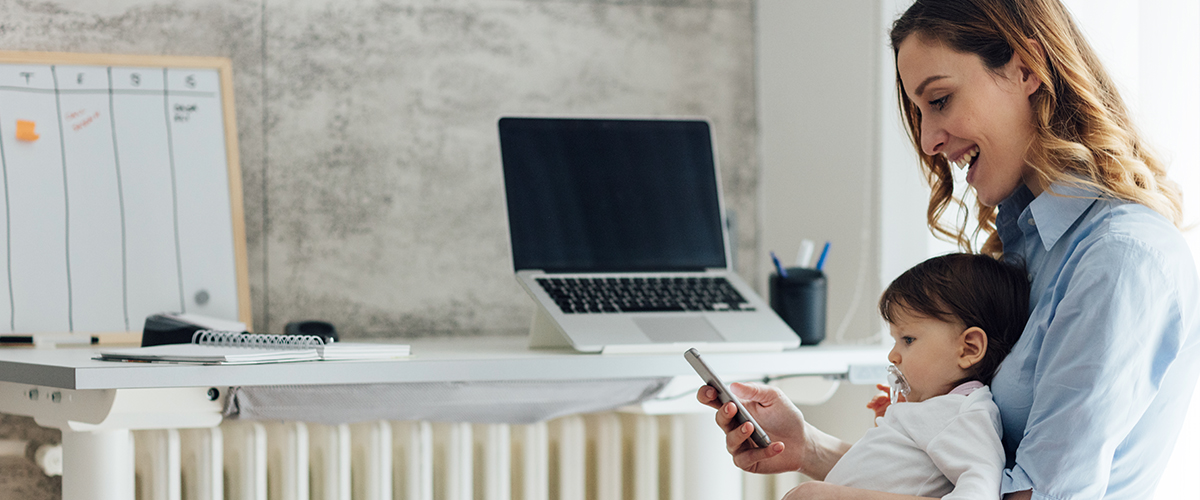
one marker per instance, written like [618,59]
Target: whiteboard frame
[224,68]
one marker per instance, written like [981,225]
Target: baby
[954,318]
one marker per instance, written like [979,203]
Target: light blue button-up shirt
[1093,395]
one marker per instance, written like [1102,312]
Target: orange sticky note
[25,131]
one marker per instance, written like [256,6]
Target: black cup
[800,300]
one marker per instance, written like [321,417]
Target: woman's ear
[1030,81]
[972,346]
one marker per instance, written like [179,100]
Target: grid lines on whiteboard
[116,195]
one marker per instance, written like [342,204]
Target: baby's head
[954,318]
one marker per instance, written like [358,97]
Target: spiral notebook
[232,348]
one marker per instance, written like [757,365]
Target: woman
[1094,393]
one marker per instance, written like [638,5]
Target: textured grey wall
[384,209]
[367,134]
[367,130]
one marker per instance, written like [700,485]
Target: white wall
[904,237]
[818,108]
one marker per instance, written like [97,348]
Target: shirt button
[1031,222]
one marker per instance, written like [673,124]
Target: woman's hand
[779,418]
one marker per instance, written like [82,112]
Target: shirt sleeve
[1114,330]
[969,453]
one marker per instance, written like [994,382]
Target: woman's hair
[972,289]
[1084,134]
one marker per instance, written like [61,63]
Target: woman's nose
[933,137]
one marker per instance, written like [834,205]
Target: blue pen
[778,267]
[824,253]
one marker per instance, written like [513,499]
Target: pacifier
[898,383]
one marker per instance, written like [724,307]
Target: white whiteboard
[121,192]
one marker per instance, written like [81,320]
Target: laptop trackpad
[693,329]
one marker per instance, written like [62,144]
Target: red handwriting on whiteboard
[81,119]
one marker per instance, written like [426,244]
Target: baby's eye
[907,340]
[939,103]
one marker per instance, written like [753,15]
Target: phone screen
[759,437]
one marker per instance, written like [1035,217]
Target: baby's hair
[972,289]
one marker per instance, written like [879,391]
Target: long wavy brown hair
[1084,134]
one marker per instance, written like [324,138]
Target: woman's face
[976,118]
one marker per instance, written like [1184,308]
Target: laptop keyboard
[609,295]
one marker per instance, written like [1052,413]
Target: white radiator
[607,456]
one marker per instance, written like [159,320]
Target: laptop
[617,233]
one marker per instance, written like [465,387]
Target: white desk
[97,403]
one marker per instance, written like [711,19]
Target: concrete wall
[368,129]
[367,133]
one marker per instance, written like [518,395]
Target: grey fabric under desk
[505,402]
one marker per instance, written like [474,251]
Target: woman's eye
[939,103]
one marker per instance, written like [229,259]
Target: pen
[804,256]
[824,253]
[778,267]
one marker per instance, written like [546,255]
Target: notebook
[234,348]
[616,230]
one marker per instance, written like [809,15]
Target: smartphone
[759,437]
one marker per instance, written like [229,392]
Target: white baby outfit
[946,446]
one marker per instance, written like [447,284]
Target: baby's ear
[972,347]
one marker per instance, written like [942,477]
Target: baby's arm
[969,453]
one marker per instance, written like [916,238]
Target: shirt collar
[1057,209]
[1009,213]
[966,388]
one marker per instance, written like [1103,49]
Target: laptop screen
[598,195]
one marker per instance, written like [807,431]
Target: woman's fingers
[708,396]
[756,393]
[737,438]
[745,454]
[780,419]
[749,459]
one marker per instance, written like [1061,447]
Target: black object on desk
[161,329]
[321,329]
[799,298]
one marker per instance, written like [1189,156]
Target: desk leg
[97,465]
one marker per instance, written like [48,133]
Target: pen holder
[800,300]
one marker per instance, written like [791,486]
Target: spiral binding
[258,340]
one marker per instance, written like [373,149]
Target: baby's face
[927,352]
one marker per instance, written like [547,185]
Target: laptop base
[544,332]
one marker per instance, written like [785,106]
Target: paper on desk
[229,355]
